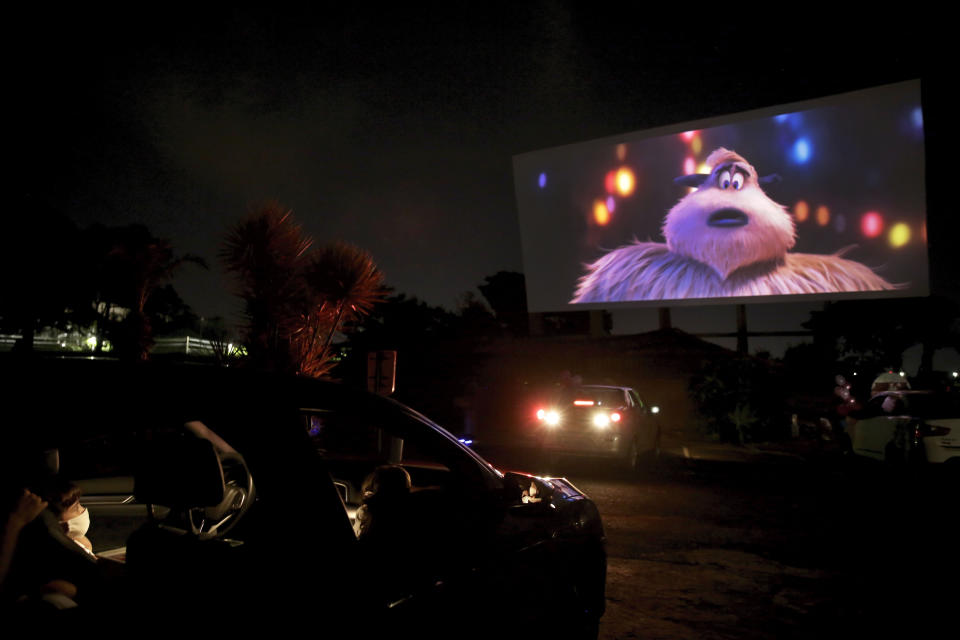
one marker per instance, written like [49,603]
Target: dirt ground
[729,542]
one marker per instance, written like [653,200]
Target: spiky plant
[344,284]
[265,253]
[296,297]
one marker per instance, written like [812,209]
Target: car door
[646,436]
[356,441]
[873,434]
[467,546]
[514,548]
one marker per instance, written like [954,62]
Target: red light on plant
[689,165]
[871,224]
[687,136]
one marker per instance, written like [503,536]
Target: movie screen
[819,200]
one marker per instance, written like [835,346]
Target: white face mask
[78,525]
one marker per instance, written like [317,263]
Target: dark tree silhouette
[38,278]
[506,293]
[55,275]
[871,335]
[136,266]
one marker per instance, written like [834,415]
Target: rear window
[601,397]
[934,406]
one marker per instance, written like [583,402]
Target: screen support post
[742,347]
[665,322]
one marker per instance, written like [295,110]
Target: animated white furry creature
[727,238]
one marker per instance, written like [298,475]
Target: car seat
[171,557]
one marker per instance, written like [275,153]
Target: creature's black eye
[724,180]
[737,181]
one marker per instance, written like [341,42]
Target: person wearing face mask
[74,517]
[48,565]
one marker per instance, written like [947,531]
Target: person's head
[64,498]
[64,502]
[386,481]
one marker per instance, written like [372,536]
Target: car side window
[352,444]
[338,434]
[893,406]
[874,408]
[355,444]
[636,399]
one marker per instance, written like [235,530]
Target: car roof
[604,386]
[74,404]
[77,383]
[51,402]
[908,392]
[889,376]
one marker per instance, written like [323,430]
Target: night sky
[395,129]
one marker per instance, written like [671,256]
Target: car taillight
[924,430]
[614,417]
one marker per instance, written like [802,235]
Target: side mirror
[528,495]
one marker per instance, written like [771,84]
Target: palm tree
[146,263]
[38,263]
[265,253]
[344,284]
[296,297]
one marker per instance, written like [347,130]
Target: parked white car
[909,426]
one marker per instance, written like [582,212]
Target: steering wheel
[238,496]
[216,520]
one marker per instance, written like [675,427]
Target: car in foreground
[232,497]
[908,426]
[598,421]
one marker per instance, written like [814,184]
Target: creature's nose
[728,217]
